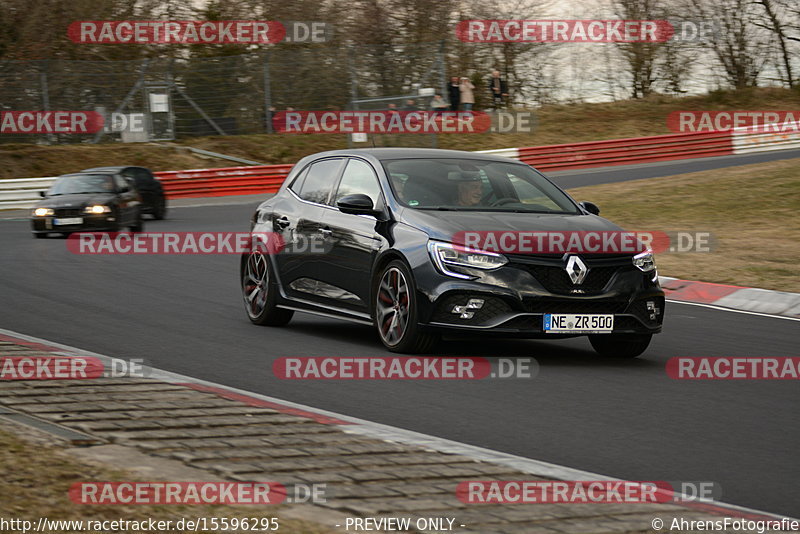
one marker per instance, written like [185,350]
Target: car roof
[115,168]
[90,171]
[413,153]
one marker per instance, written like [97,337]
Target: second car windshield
[474,185]
[82,183]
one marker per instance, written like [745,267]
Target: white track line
[734,310]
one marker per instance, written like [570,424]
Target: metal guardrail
[628,151]
[24,192]
[224,181]
[761,139]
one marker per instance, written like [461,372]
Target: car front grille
[550,271]
[68,212]
[556,279]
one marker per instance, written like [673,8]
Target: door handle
[283,222]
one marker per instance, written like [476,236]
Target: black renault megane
[376,236]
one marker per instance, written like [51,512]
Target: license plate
[566,323]
[69,220]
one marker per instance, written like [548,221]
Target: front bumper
[105,222]
[518,295]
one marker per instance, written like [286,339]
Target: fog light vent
[475,304]
[653,309]
[464,311]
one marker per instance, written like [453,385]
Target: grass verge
[751,212]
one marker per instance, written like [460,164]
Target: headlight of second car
[446,255]
[43,212]
[97,209]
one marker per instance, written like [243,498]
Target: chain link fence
[218,95]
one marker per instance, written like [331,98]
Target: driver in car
[470,189]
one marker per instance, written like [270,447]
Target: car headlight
[97,209]
[42,212]
[446,255]
[645,261]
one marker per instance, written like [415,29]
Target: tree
[776,20]
[741,47]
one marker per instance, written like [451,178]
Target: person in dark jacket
[454,92]
[498,88]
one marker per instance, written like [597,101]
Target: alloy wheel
[255,284]
[393,306]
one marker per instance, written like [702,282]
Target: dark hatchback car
[368,236]
[154,202]
[81,202]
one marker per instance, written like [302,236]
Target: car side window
[319,181]
[359,177]
[297,183]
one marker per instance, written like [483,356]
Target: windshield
[82,183]
[474,185]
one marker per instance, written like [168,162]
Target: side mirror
[356,204]
[591,207]
[124,189]
[42,194]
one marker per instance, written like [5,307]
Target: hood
[442,225]
[75,200]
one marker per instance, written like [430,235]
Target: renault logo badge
[576,270]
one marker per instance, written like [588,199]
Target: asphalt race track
[624,173]
[620,418]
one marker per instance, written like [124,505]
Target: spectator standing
[439,104]
[467,90]
[498,88]
[454,92]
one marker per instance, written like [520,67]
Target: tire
[620,345]
[394,313]
[259,291]
[160,209]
